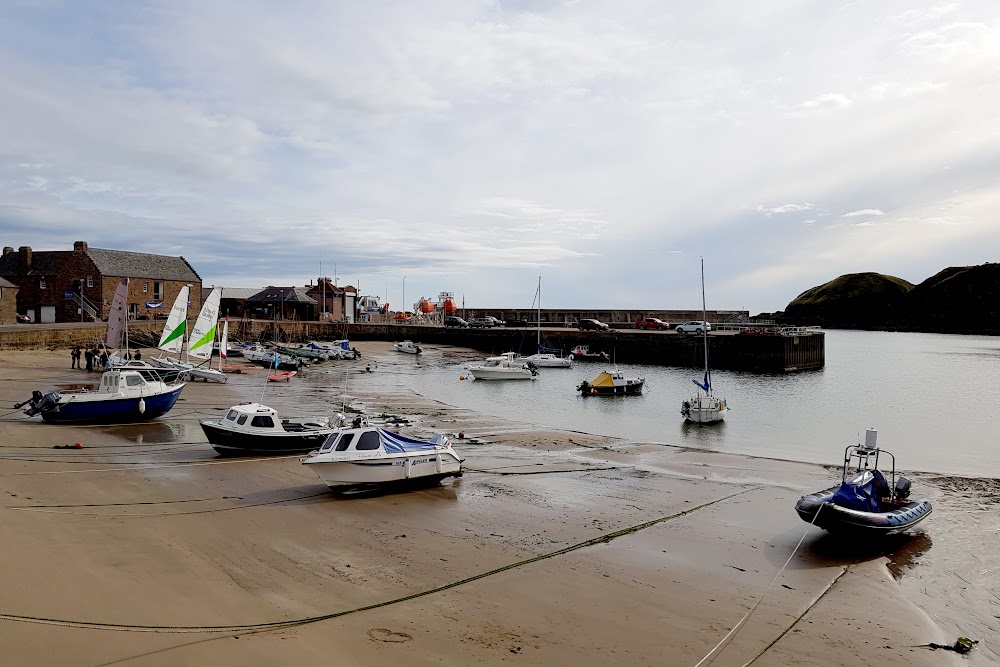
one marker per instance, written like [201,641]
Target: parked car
[515,323]
[454,321]
[591,325]
[495,321]
[651,323]
[696,326]
[23,319]
[481,322]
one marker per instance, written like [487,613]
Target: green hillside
[852,301]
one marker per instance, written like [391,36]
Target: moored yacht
[507,366]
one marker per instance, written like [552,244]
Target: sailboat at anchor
[705,407]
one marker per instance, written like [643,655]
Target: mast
[704,329]
[539,344]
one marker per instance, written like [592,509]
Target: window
[262,421]
[145,287]
[232,415]
[368,440]
[158,291]
[90,281]
[345,440]
[133,380]
[242,420]
[41,283]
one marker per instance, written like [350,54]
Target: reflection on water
[151,432]
[901,383]
[903,550]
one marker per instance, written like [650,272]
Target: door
[48,314]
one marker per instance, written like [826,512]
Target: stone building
[291,303]
[8,302]
[340,301]
[78,285]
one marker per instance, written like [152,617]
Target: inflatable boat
[865,502]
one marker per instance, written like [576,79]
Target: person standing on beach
[104,359]
[138,355]
[75,357]
[89,354]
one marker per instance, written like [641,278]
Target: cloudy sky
[474,146]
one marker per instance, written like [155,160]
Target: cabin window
[232,415]
[345,441]
[90,281]
[262,421]
[145,287]
[242,420]
[41,283]
[133,380]
[368,440]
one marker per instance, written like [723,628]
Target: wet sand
[566,548]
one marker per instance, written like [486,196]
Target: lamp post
[403,299]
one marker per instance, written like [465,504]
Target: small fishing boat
[124,396]
[407,346]
[507,366]
[366,455]
[282,376]
[611,383]
[865,502]
[584,353]
[549,360]
[252,428]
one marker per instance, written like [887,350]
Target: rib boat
[865,502]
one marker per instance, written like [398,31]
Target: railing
[86,305]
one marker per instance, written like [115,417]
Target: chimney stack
[24,263]
[7,250]
[79,246]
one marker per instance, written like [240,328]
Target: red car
[651,323]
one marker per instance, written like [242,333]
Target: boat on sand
[252,428]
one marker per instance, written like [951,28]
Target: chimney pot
[79,246]
[7,250]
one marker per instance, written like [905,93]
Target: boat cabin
[123,382]
[257,418]
[371,441]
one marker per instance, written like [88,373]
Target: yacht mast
[538,345]
[704,321]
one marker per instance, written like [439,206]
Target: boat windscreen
[398,444]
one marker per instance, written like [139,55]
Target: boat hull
[111,411]
[429,467]
[232,443]
[502,374]
[543,361]
[633,389]
[841,520]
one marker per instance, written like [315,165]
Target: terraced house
[78,285]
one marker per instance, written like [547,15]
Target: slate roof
[7,284]
[283,294]
[232,292]
[141,265]
[43,263]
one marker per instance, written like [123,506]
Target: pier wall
[754,353]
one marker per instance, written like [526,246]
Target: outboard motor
[902,490]
[40,403]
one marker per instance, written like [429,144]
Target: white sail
[172,339]
[203,334]
[116,316]
[224,343]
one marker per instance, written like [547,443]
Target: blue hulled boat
[123,396]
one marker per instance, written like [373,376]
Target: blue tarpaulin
[861,492]
[397,444]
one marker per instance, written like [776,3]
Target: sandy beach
[144,547]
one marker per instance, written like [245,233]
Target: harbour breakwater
[729,351]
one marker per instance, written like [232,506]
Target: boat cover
[398,444]
[603,380]
[861,492]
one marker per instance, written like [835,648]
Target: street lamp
[403,300]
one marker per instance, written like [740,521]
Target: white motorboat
[252,428]
[366,455]
[549,360]
[705,407]
[407,346]
[507,366]
[259,354]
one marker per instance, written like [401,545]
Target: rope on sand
[277,625]
[736,628]
[149,467]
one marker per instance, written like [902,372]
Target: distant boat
[705,407]
[546,357]
[612,383]
[584,353]
[281,376]
[124,396]
[366,456]
[407,346]
[507,366]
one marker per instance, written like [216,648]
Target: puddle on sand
[153,432]
[902,551]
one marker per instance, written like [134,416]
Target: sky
[473,147]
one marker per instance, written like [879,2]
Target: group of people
[97,358]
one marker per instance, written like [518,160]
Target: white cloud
[864,211]
[784,208]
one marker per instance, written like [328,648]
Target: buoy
[570,439]
[461,377]
[461,435]
[142,406]
[77,446]
[593,392]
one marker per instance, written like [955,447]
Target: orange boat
[278,377]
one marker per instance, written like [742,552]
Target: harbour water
[932,397]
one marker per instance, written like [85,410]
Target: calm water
[932,397]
